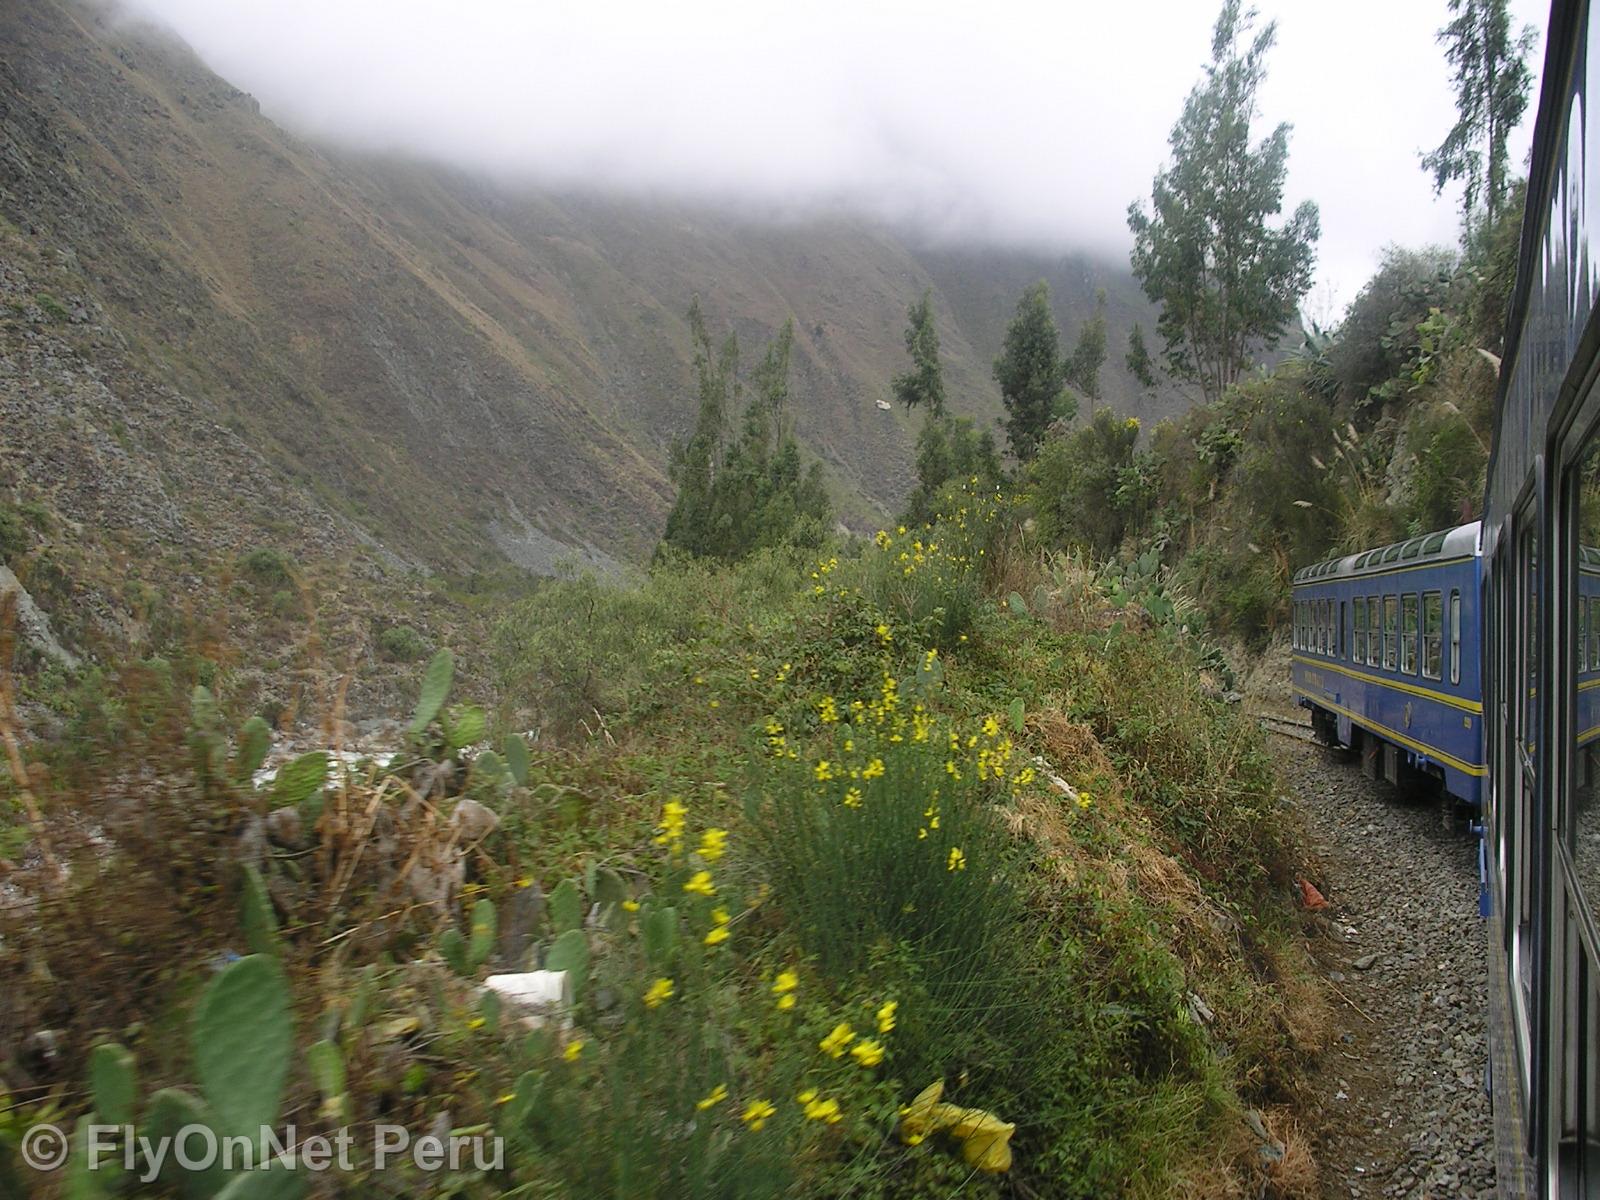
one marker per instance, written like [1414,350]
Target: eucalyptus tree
[1227,279]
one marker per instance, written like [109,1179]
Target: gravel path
[1399,1107]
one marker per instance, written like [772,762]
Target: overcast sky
[1031,121]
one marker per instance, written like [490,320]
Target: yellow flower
[852,798]
[884,633]
[630,906]
[991,727]
[712,844]
[700,884]
[828,710]
[873,770]
[957,860]
[786,1002]
[574,1050]
[757,1112]
[823,771]
[673,813]
[717,936]
[834,1044]
[660,992]
[720,916]
[817,1109]
[783,985]
[867,1052]
[886,1015]
[477,1023]
[712,1098]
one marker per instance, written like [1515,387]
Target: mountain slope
[459,370]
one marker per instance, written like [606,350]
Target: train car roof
[1443,545]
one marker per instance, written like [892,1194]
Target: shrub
[881,837]
[1077,484]
[578,646]
[13,534]
[268,567]
[402,644]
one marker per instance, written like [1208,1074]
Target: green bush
[14,538]
[581,646]
[268,567]
[1077,485]
[883,836]
[402,644]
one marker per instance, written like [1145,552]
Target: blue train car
[1386,655]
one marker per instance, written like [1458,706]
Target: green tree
[924,384]
[1492,81]
[1089,355]
[1084,484]
[1031,374]
[1227,281]
[1139,363]
[949,450]
[740,494]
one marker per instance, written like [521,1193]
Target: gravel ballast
[1398,1106]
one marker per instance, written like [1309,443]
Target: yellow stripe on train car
[1449,760]
[1465,705]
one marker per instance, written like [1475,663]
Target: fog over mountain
[1026,123]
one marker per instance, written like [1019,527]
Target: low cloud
[1021,123]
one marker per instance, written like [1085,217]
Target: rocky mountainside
[451,369]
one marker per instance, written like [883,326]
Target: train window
[1322,626]
[1582,820]
[1455,637]
[1433,635]
[1411,548]
[1391,632]
[1359,642]
[1434,543]
[1374,620]
[1408,634]
[1392,553]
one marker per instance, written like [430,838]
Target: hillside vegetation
[809,836]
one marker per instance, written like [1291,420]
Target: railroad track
[1294,729]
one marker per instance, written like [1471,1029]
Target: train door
[1574,852]
[1518,828]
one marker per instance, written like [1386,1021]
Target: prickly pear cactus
[256,915]
[571,954]
[516,754]
[453,948]
[113,1082]
[255,740]
[436,682]
[566,906]
[484,927]
[243,1037]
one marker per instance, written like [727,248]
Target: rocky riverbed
[1399,1108]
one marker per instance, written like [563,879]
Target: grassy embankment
[810,836]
